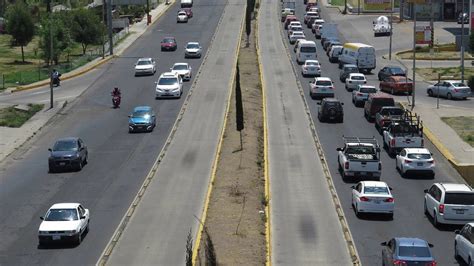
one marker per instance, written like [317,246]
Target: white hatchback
[311,68]
[354,80]
[182,69]
[415,160]
[372,197]
[64,222]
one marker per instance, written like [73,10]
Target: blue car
[143,118]
[407,251]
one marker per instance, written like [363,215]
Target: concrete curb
[465,170]
[351,247]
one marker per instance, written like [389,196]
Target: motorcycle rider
[55,77]
[116,93]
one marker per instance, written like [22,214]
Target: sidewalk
[11,139]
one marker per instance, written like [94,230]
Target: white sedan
[451,89]
[372,197]
[182,17]
[192,49]
[64,222]
[463,244]
[145,66]
[296,35]
[311,68]
[415,160]
[354,80]
[182,69]
[361,94]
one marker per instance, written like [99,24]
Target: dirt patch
[445,73]
[464,127]
[235,218]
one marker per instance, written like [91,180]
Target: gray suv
[67,153]
[346,70]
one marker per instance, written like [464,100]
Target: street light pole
[51,98]
[414,56]
[109,24]
[462,42]
[391,32]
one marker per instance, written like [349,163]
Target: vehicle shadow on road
[444,227]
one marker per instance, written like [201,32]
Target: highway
[118,161]
[409,219]
[305,229]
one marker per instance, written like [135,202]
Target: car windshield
[182,13]
[376,190]
[397,71]
[144,62]
[308,49]
[192,46]
[412,251]
[168,40]
[368,90]
[61,215]
[459,198]
[65,145]
[358,78]
[312,63]
[168,81]
[140,114]
[324,83]
[458,84]
[419,156]
[180,67]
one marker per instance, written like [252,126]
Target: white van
[359,54]
[306,51]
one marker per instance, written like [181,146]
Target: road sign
[423,35]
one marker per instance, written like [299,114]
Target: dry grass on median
[447,73]
[464,127]
[12,117]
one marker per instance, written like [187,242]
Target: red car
[397,84]
[289,19]
[169,44]
[188,11]
[310,5]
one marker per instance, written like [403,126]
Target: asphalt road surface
[118,161]
[174,201]
[305,229]
[409,219]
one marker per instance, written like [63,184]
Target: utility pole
[109,24]
[51,98]
[432,24]
[462,42]
[414,55]
[391,31]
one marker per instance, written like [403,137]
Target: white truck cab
[381,26]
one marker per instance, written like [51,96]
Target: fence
[42,71]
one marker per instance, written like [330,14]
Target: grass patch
[440,52]
[11,117]
[464,127]
[454,72]
[337,2]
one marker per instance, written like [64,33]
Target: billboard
[423,35]
[377,5]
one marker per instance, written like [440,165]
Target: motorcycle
[116,101]
[56,81]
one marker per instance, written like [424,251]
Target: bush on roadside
[11,117]
[470,82]
[471,42]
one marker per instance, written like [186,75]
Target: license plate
[419,164]
[363,173]
[459,211]
[331,117]
[62,163]
[56,237]
[323,89]
[377,201]
[311,69]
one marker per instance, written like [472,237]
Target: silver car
[296,35]
[145,66]
[361,93]
[451,89]
[182,69]
[192,49]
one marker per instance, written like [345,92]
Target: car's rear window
[419,156]
[192,46]
[383,101]
[308,49]
[368,90]
[144,62]
[459,198]
[357,78]
[376,190]
[352,69]
[412,251]
[168,40]
[168,81]
[458,84]
[312,63]
[180,67]
[324,83]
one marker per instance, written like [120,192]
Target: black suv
[330,110]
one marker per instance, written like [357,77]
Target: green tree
[471,42]
[61,36]
[20,25]
[86,28]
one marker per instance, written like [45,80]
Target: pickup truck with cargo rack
[403,132]
[360,157]
[386,115]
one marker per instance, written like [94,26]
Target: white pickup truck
[360,157]
[405,132]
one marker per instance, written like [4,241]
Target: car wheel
[469,262]
[449,96]
[402,173]
[52,169]
[425,209]
[435,220]
[380,79]
[86,159]
[356,210]
[79,238]
[456,254]
[430,93]
[79,166]
[390,216]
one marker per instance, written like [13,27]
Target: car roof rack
[359,140]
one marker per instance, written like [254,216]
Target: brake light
[389,200]
[399,262]
[365,81]
[392,142]
[350,81]
[346,165]
[431,263]
[332,87]
[408,161]
[364,199]
[441,208]
[430,161]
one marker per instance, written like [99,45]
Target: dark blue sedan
[407,251]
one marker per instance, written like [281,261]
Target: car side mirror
[426,190]
[42,218]
[390,188]
[457,231]
[156,82]
[430,245]
[171,68]
[339,149]
[83,217]
[311,82]
[50,150]
[353,187]
[342,103]
[383,244]
[130,116]
[318,103]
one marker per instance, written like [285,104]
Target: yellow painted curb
[265,151]
[218,151]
